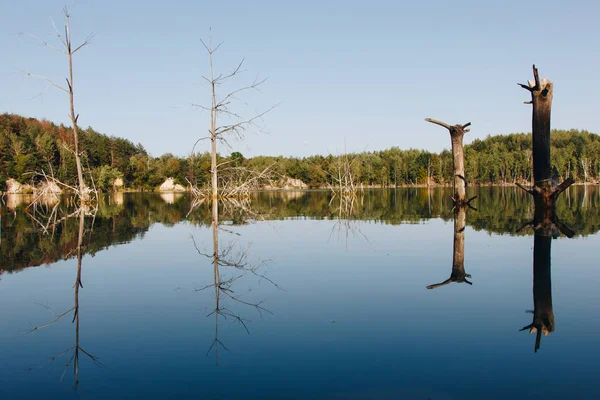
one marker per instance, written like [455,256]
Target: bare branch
[437,285]
[536,77]
[530,191]
[198,141]
[526,87]
[201,106]
[254,85]
[45,43]
[242,125]
[210,49]
[58,34]
[440,123]
[528,224]
[85,43]
[565,230]
[93,358]
[45,79]
[58,318]
[225,163]
[562,187]
[217,47]
[223,78]
[534,85]
[205,46]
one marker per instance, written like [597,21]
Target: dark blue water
[322,308]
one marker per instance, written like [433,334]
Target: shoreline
[420,186]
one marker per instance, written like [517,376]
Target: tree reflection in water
[346,215]
[231,260]
[543,315]
[546,226]
[458,273]
[122,218]
[76,350]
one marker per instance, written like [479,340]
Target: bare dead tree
[221,107]
[545,190]
[342,177]
[458,160]
[67,48]
[346,195]
[237,182]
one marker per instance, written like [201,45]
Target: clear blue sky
[367,72]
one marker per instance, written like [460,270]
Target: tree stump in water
[545,221]
[545,190]
[458,160]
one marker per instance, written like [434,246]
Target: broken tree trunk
[545,221]
[545,190]
[458,157]
[458,255]
[543,315]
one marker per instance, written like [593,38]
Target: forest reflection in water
[234,242]
[124,217]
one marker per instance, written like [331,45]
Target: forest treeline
[28,146]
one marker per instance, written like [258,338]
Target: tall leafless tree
[68,49]
[221,106]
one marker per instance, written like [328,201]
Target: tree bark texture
[83,190]
[545,191]
[458,160]
[541,95]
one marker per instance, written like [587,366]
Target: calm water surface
[310,298]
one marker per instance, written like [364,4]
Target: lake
[389,295]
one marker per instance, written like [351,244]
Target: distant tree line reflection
[122,218]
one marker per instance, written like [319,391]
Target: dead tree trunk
[458,255]
[544,191]
[458,157]
[83,191]
[543,315]
[221,106]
